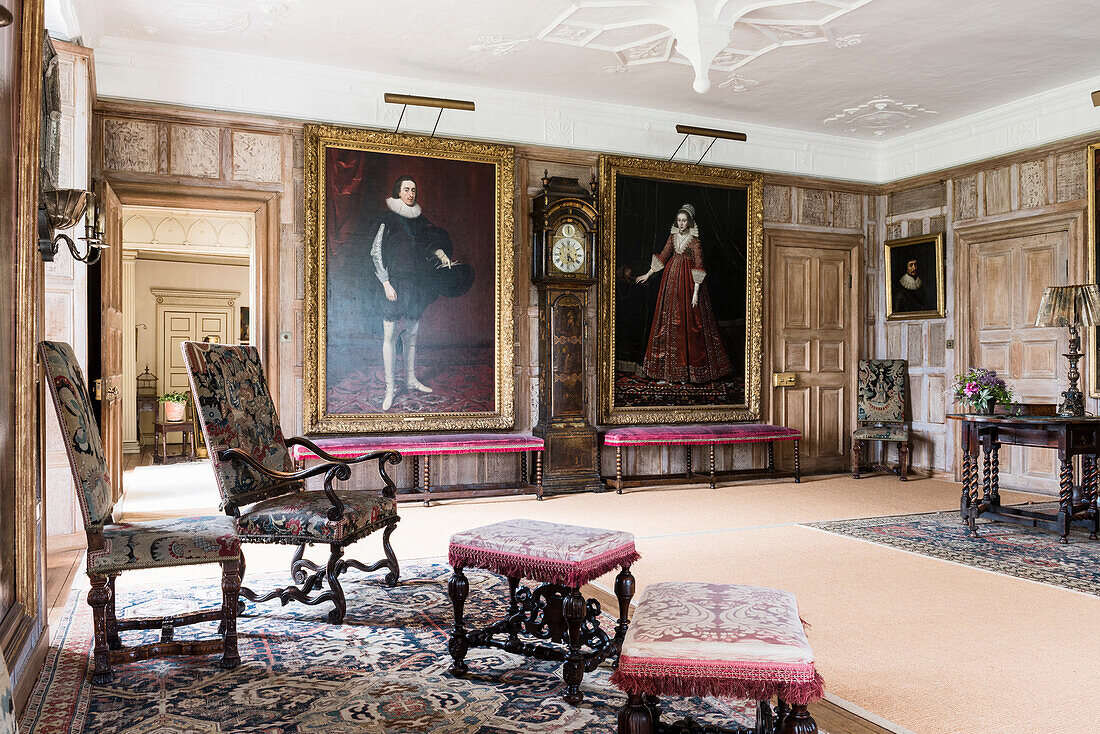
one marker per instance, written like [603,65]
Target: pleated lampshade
[1069,305]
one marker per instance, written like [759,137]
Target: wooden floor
[61,568]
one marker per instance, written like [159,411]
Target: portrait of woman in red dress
[684,341]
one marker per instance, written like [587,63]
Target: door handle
[784,379]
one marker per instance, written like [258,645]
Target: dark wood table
[1071,437]
[161,429]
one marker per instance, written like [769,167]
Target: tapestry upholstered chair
[8,723]
[117,547]
[261,488]
[880,412]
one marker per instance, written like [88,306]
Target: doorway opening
[187,275]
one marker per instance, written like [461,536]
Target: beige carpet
[927,644]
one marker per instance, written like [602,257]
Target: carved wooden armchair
[880,412]
[117,547]
[261,488]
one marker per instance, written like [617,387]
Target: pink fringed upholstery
[698,435]
[352,447]
[569,555]
[699,639]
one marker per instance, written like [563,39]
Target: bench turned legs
[619,469]
[797,467]
[642,715]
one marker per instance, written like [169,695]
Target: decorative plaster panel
[847,210]
[1071,176]
[813,207]
[257,157]
[916,200]
[777,203]
[129,145]
[195,151]
[966,198]
[1033,184]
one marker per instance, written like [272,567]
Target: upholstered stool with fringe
[561,558]
[722,640]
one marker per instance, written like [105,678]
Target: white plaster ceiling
[873,69]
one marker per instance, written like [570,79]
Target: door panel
[1007,280]
[813,337]
[110,324]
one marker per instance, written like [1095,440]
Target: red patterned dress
[684,343]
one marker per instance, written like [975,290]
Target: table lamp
[1072,306]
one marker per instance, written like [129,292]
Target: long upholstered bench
[422,447]
[698,435]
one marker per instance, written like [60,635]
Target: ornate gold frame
[941,279]
[316,419]
[1093,152]
[610,168]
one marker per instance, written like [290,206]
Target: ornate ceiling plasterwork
[720,35]
[498,45]
[878,116]
[152,229]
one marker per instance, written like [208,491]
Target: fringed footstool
[722,640]
[562,558]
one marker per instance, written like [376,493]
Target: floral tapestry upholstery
[184,541]
[8,724]
[881,433]
[304,515]
[79,432]
[236,412]
[727,640]
[881,394]
[570,555]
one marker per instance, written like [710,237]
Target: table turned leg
[995,485]
[573,608]
[1065,498]
[458,588]
[987,477]
[1092,474]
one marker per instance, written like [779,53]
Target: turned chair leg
[637,716]
[794,719]
[99,597]
[231,594]
[114,642]
[857,457]
[903,461]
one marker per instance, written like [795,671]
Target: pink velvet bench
[722,640]
[446,444]
[561,558]
[701,435]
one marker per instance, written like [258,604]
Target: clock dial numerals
[567,253]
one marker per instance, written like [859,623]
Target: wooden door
[813,337]
[1007,278]
[110,333]
[181,325]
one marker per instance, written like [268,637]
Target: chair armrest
[336,470]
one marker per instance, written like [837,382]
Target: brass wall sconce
[61,209]
[5,17]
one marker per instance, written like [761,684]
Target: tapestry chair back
[80,432]
[881,394]
[236,412]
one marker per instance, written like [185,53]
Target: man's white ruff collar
[402,209]
[909,282]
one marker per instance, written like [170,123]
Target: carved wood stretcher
[421,449]
[698,435]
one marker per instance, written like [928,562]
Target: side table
[161,429]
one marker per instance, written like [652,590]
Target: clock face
[567,253]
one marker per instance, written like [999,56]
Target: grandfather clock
[563,221]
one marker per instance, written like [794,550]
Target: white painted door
[179,325]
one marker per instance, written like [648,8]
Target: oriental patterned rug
[385,670]
[1015,550]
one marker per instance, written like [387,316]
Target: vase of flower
[175,405]
[979,390]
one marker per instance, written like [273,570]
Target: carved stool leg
[573,608]
[114,642]
[857,457]
[624,592]
[687,459]
[513,609]
[636,717]
[231,590]
[416,473]
[99,596]
[458,588]
[903,461]
[797,720]
[619,469]
[771,456]
[332,576]
[427,481]
[524,477]
[712,485]
[538,471]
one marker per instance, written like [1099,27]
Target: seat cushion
[569,555]
[304,516]
[181,541]
[701,435]
[881,433]
[702,639]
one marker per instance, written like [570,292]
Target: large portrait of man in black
[914,278]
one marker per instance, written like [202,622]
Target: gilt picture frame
[1093,166]
[408,283]
[680,243]
[915,278]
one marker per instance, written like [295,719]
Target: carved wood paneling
[257,157]
[966,197]
[195,151]
[847,210]
[813,207]
[1071,176]
[916,200]
[998,190]
[1033,184]
[129,145]
[777,203]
